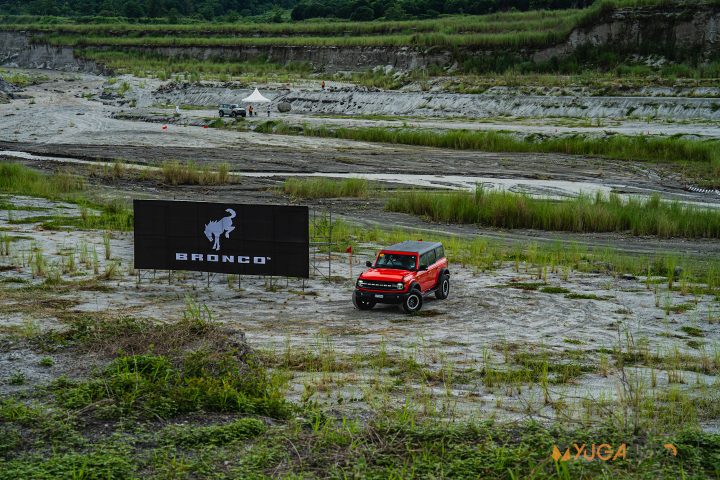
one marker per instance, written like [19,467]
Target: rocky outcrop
[16,50]
[327,59]
[682,30]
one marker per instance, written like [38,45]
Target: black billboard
[222,237]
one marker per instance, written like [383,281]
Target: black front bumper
[380,297]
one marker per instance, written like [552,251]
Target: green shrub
[187,173]
[325,187]
[150,386]
[241,429]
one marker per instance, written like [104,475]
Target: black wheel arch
[442,274]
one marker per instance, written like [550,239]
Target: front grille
[373,285]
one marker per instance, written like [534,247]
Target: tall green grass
[17,179]
[702,155]
[174,172]
[582,214]
[497,22]
[326,187]
[143,64]
[531,38]
[20,180]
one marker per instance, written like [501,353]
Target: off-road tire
[222,114]
[413,302]
[362,304]
[443,288]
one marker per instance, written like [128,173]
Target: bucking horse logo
[215,228]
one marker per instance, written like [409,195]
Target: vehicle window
[394,260]
[439,253]
[428,258]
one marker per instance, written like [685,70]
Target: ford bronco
[231,110]
[403,274]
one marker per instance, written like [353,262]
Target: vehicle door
[433,269]
[440,262]
[425,276]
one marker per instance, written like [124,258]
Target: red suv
[403,274]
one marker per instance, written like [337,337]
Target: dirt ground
[488,320]
[485,314]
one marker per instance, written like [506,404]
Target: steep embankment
[678,33]
[17,50]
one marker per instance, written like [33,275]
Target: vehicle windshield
[395,260]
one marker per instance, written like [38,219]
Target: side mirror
[423,267]
[368,264]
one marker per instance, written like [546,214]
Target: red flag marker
[349,249]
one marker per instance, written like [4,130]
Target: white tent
[256,97]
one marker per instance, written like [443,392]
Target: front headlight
[399,286]
[360,283]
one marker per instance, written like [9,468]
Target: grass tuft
[326,187]
[188,173]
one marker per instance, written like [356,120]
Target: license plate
[379,296]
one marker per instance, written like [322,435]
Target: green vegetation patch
[326,187]
[107,461]
[581,214]
[692,331]
[20,180]
[188,173]
[586,296]
[554,290]
[531,286]
[681,307]
[60,186]
[151,386]
[241,429]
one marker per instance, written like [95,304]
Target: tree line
[365,10]
[275,10]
